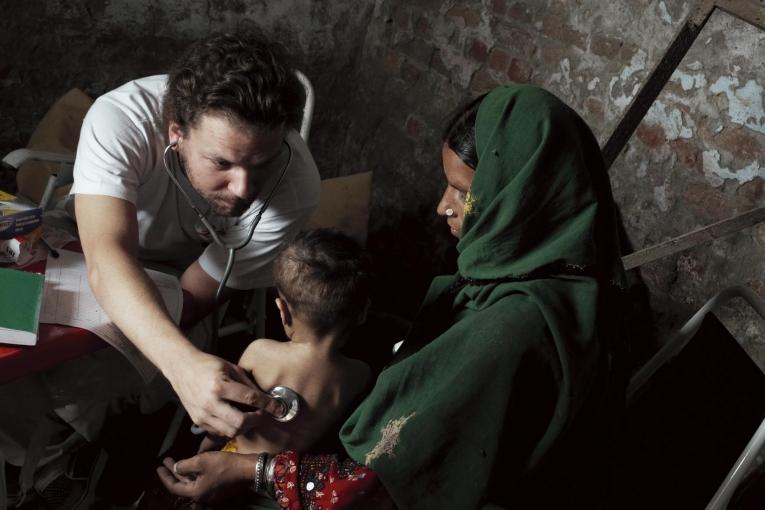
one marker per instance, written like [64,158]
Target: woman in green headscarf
[505,389]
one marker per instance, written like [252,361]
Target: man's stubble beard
[217,201]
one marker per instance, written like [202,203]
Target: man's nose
[239,184]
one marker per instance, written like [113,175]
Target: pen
[50,248]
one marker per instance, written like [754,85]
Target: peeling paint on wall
[564,76]
[672,121]
[637,63]
[664,13]
[744,103]
[689,81]
[660,196]
[716,174]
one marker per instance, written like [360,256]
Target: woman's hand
[209,476]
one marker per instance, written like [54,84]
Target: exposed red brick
[613,48]
[392,62]
[422,25]
[414,127]
[498,7]
[483,81]
[471,17]
[652,136]
[499,59]
[516,41]
[704,199]
[690,265]
[520,12]
[555,27]
[687,154]
[595,106]
[750,192]
[401,15]
[519,71]
[605,46]
[478,51]
[740,142]
[410,72]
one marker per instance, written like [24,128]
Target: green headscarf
[508,354]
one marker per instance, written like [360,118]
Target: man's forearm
[134,304]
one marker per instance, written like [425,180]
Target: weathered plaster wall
[696,159]
[47,48]
[388,71]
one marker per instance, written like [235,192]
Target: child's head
[323,276]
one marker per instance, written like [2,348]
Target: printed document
[68,300]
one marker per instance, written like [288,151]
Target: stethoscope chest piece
[290,402]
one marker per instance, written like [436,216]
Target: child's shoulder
[262,347]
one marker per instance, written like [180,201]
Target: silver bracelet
[259,467]
[269,476]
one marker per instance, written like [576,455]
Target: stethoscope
[288,398]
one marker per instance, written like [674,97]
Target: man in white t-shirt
[222,126]
[220,129]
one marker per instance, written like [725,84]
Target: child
[323,286]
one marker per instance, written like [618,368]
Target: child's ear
[284,312]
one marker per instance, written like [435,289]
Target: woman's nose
[442,205]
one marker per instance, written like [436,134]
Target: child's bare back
[327,382]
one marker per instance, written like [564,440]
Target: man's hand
[209,476]
[210,388]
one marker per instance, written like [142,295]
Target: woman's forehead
[457,172]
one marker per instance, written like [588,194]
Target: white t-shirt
[120,154]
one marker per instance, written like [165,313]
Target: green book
[20,303]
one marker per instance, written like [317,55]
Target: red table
[56,344]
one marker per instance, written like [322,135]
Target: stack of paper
[70,301]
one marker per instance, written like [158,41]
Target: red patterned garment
[322,482]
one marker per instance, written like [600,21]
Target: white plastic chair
[671,349]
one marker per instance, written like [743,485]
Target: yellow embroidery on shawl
[389,440]
[469,206]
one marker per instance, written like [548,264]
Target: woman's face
[458,179]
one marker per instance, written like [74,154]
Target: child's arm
[210,442]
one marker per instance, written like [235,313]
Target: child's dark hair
[459,133]
[324,276]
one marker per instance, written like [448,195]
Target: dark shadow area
[682,436]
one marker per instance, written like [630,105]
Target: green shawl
[508,354]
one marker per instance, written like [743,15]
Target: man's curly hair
[244,76]
[324,275]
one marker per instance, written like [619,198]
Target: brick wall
[696,159]
[387,72]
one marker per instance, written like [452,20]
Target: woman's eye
[461,195]
[221,163]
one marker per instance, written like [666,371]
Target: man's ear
[174,132]
[284,312]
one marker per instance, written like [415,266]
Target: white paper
[68,300]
